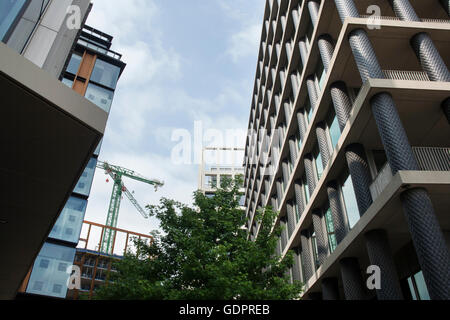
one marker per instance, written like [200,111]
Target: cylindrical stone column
[299,196]
[303,50]
[354,286]
[380,255]
[330,289]
[307,257]
[360,174]
[312,91]
[404,10]
[321,236]
[285,169]
[293,150]
[313,7]
[392,133]
[341,102]
[301,124]
[309,171]
[337,211]
[287,112]
[428,239]
[326,49]
[291,218]
[346,9]
[296,268]
[323,143]
[429,58]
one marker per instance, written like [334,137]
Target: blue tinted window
[68,226]
[319,165]
[83,186]
[335,132]
[350,202]
[9,9]
[330,229]
[421,286]
[67,82]
[74,63]
[100,96]
[105,74]
[48,277]
[306,190]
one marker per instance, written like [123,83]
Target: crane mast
[117,173]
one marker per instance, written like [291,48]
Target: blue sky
[186,61]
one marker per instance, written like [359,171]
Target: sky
[189,63]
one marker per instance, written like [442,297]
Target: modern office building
[218,163]
[48,131]
[92,70]
[350,143]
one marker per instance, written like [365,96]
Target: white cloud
[245,42]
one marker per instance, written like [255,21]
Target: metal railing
[428,159]
[433,159]
[406,75]
[392,18]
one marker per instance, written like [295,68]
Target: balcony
[428,158]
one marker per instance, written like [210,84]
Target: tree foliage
[203,253]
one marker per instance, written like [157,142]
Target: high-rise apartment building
[350,143]
[52,134]
[92,70]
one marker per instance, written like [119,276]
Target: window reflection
[84,184]
[8,13]
[335,131]
[49,275]
[99,96]
[350,202]
[105,74]
[74,63]
[68,226]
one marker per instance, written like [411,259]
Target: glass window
[334,130]
[70,218]
[105,74]
[74,63]
[100,96]
[308,110]
[83,186]
[305,189]
[318,161]
[320,74]
[67,82]
[315,250]
[97,150]
[350,202]
[9,9]
[417,287]
[51,281]
[330,229]
[422,289]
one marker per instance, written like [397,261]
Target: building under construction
[95,265]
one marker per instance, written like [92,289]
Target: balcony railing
[428,159]
[406,75]
[374,19]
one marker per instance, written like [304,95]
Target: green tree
[203,253]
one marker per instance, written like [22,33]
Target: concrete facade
[353,115]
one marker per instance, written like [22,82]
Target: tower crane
[116,173]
